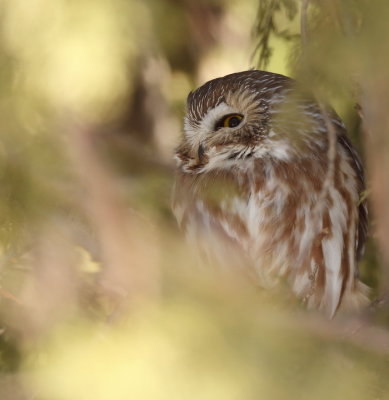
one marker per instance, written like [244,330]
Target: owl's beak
[200,153]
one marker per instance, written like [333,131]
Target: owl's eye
[229,121]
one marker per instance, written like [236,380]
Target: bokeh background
[100,298]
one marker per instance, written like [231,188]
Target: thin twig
[304,23]
[331,152]
[328,182]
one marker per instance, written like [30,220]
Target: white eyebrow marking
[215,114]
[196,134]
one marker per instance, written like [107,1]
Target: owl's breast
[236,217]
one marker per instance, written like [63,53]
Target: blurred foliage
[99,297]
[203,347]
[276,19]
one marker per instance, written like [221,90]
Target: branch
[124,240]
[304,23]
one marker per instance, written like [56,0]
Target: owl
[248,193]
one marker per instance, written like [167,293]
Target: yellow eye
[230,121]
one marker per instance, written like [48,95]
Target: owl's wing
[362,207]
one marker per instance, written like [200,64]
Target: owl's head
[250,114]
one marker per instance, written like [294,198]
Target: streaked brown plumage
[250,172]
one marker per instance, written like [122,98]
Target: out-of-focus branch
[127,251]
[375,122]
[383,300]
[332,137]
[304,23]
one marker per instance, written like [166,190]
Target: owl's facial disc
[235,122]
[222,123]
[213,127]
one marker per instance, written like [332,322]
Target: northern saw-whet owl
[250,173]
